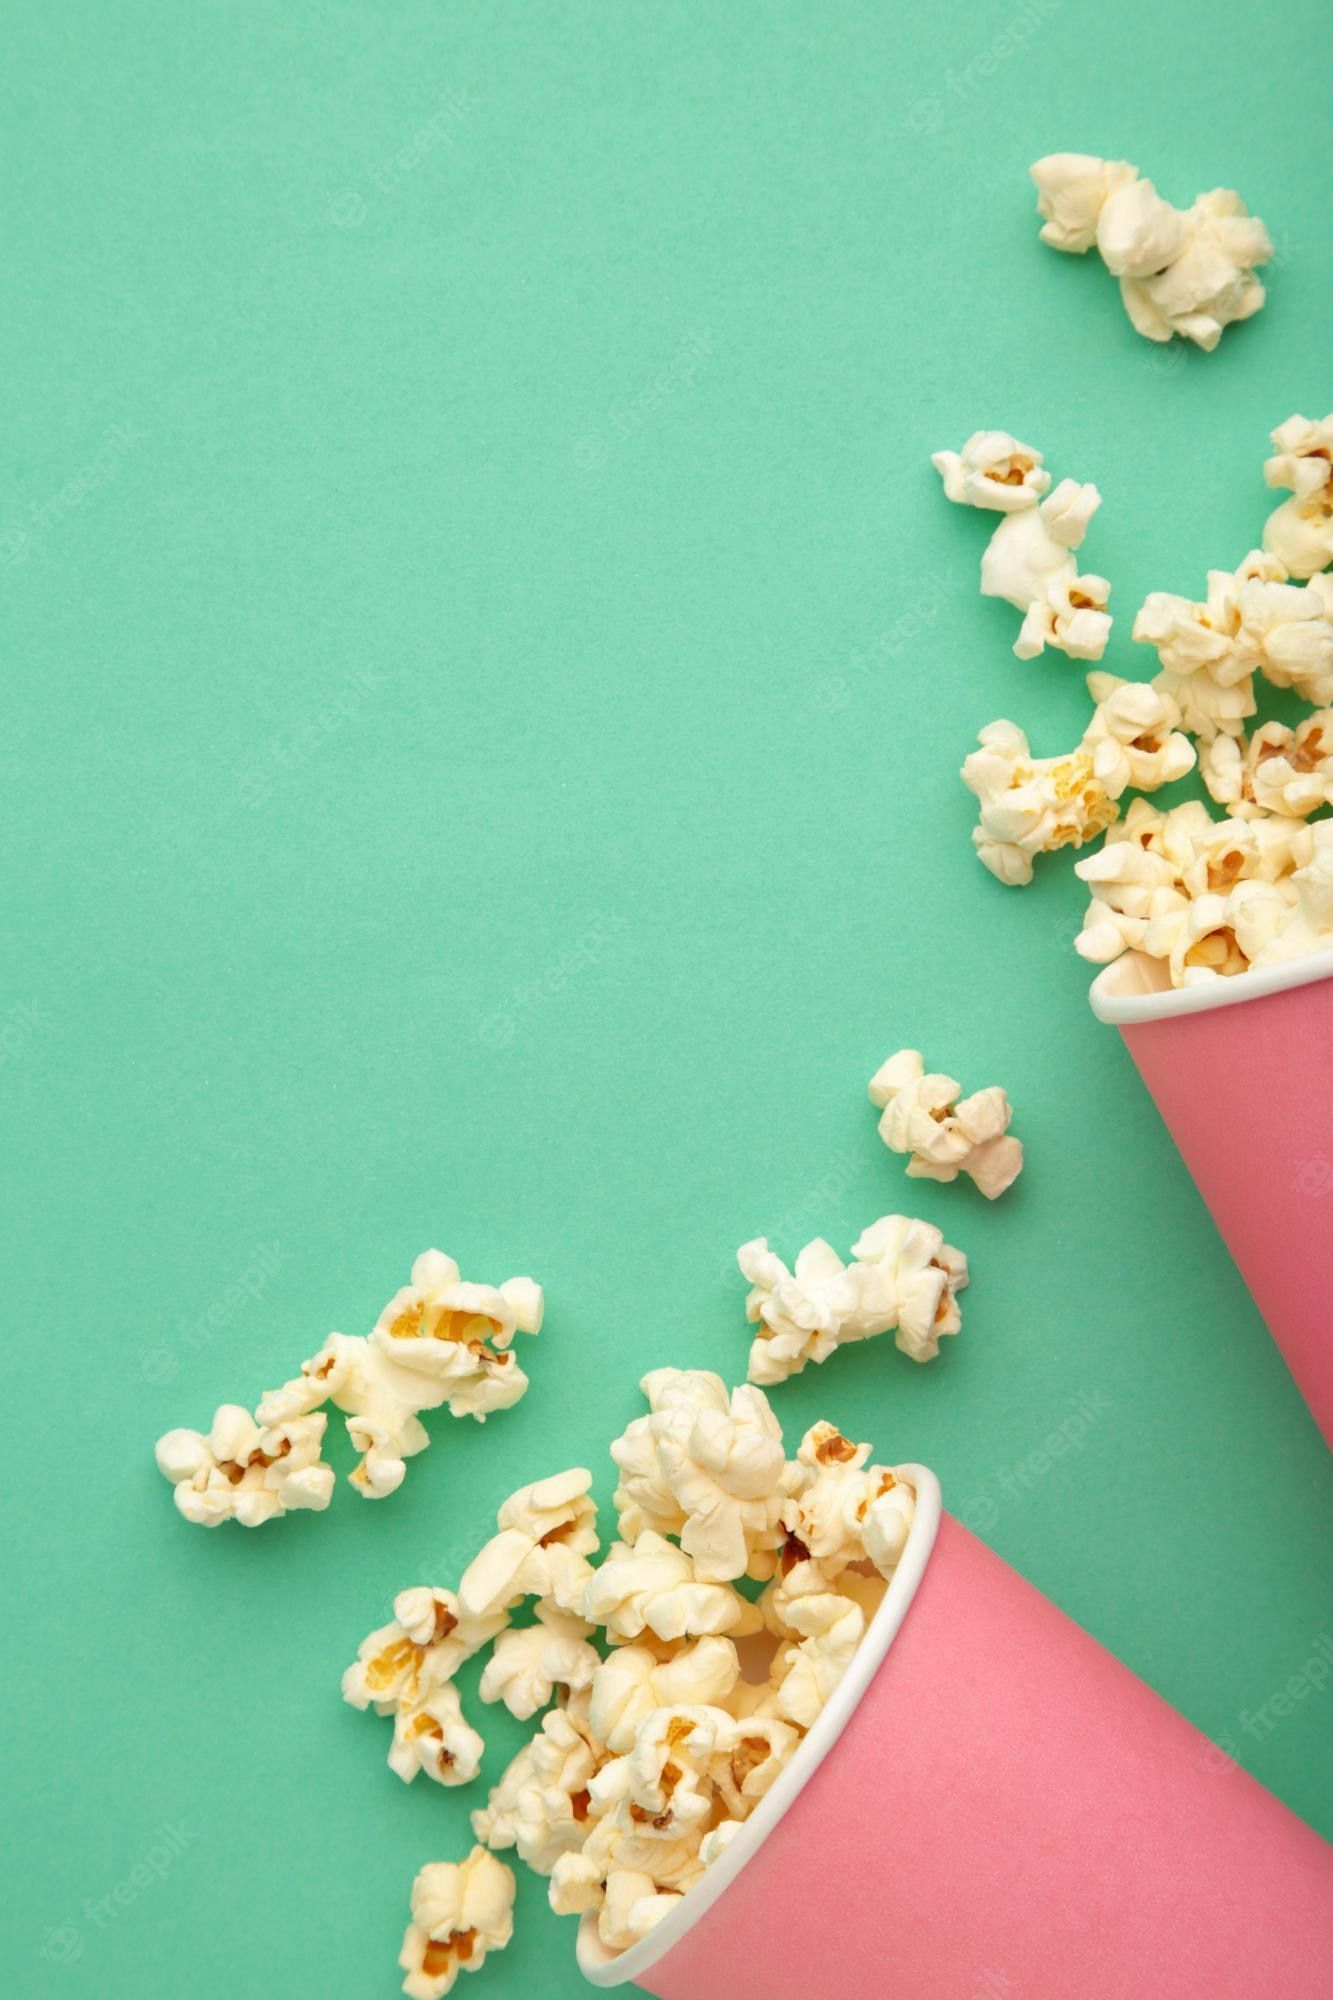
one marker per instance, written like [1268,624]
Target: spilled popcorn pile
[1182,271]
[679,1698]
[1206,898]
[438,1340]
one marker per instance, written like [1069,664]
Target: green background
[488,663]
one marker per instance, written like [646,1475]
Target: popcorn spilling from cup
[1206,898]
[673,1698]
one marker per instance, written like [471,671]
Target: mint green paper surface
[488,662]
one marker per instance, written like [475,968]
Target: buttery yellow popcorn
[1277,770]
[1031,805]
[1300,532]
[461,1911]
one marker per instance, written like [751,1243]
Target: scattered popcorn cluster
[1029,560]
[943,1133]
[679,1698]
[1206,897]
[439,1340]
[904,1279]
[1182,271]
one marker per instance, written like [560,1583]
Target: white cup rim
[602,1968]
[1124,995]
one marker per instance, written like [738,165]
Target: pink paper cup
[993,1808]
[1242,1071]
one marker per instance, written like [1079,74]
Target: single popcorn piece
[1031,805]
[527,1664]
[1135,736]
[434,1736]
[542,1804]
[993,470]
[943,1133]
[718,1464]
[903,1280]
[1182,272]
[437,1341]
[654,1587]
[1029,560]
[547,1530]
[1278,770]
[1300,532]
[246,1471]
[460,1912]
[830,1516]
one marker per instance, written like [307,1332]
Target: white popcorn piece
[542,1804]
[547,1530]
[434,1736]
[1219,936]
[653,1587]
[458,1335]
[633,1681]
[425,1644]
[717,1473]
[909,1264]
[832,1626]
[246,1471]
[903,1280]
[829,1513]
[1289,626]
[1300,532]
[1135,736]
[1031,805]
[943,1133]
[528,1663]
[575,1885]
[1072,191]
[1182,272]
[461,1911]
[715,1844]
[1278,770]
[754,1755]
[632,1906]
[1308,925]
[993,470]
[668,1773]
[1029,563]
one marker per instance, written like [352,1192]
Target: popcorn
[993,470]
[437,1341]
[406,1669]
[653,1586]
[460,1912]
[1252,620]
[660,1750]
[1300,532]
[1135,736]
[1188,272]
[943,1133]
[244,1471]
[628,1686]
[547,1530]
[527,1665]
[903,1279]
[1029,560]
[717,1464]
[1279,770]
[1031,805]
[542,1804]
[1308,926]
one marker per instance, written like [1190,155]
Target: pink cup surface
[1246,1090]
[1010,1814]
